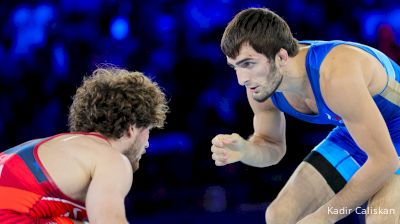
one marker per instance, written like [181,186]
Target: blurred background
[46,47]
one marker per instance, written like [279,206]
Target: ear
[281,57]
[132,131]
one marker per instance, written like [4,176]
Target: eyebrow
[240,62]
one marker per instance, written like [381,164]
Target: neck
[295,79]
[118,144]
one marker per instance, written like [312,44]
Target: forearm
[121,220]
[362,186]
[260,152]
[112,213]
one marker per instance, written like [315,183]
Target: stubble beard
[266,92]
[133,155]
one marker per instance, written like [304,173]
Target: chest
[305,108]
[302,104]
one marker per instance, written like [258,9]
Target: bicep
[111,182]
[347,95]
[268,122]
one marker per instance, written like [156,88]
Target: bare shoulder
[104,162]
[345,63]
[93,150]
[344,58]
[83,151]
[82,154]
[77,149]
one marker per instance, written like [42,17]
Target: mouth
[253,89]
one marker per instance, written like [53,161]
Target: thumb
[229,140]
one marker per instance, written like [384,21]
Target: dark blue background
[46,47]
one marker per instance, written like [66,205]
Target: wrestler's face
[138,147]
[256,72]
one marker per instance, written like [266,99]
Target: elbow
[277,155]
[281,152]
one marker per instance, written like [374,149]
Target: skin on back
[86,168]
[77,153]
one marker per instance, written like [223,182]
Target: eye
[247,64]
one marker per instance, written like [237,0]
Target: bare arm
[265,147]
[346,93]
[111,182]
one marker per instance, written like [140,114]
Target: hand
[227,149]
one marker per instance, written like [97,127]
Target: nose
[242,77]
[147,145]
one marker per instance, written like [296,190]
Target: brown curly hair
[111,99]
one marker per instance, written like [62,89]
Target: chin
[261,97]
[135,167]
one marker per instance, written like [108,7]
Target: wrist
[243,152]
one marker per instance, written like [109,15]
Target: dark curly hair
[111,99]
[264,30]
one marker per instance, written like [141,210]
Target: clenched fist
[227,149]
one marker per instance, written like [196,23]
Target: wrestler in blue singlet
[338,149]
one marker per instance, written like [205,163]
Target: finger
[218,163]
[223,140]
[220,158]
[214,157]
[218,150]
[230,139]
[217,141]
